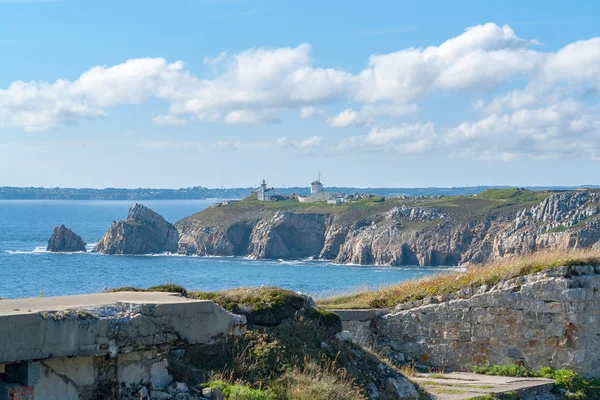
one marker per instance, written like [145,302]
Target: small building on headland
[263,193]
[317,194]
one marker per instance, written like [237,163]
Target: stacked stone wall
[547,319]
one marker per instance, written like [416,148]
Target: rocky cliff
[64,240]
[143,232]
[424,231]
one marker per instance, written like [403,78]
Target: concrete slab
[35,305]
[106,324]
[463,385]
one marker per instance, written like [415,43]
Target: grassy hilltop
[487,202]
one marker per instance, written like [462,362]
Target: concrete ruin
[91,346]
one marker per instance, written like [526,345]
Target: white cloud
[303,145]
[250,117]
[311,142]
[256,85]
[307,112]
[346,118]
[168,120]
[564,130]
[368,113]
[406,138]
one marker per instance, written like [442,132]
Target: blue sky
[371,93]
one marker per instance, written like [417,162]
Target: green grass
[474,277]
[580,388]
[240,391]
[283,362]
[167,287]
[512,194]
[258,299]
[558,229]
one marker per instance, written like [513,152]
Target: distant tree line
[201,193]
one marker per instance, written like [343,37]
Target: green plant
[565,379]
[240,391]
[503,370]
[167,287]
[558,229]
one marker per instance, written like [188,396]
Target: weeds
[565,379]
[476,276]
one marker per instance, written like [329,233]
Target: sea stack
[64,240]
[143,232]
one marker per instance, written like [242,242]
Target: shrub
[503,370]
[240,391]
[317,381]
[565,379]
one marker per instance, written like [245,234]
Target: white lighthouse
[316,187]
[264,193]
[317,194]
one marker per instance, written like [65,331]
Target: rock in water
[143,232]
[64,240]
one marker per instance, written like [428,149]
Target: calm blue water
[26,270]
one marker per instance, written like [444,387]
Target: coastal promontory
[64,240]
[143,232]
[431,231]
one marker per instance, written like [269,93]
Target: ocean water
[27,270]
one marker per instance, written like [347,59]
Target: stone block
[514,353]
[582,270]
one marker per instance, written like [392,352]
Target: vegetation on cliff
[473,277]
[396,231]
[290,351]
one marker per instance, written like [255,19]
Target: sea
[27,270]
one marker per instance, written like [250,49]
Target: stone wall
[545,319]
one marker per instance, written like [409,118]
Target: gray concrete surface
[106,324]
[463,385]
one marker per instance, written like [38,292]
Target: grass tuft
[258,299]
[473,277]
[167,287]
[565,379]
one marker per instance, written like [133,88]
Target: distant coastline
[203,193]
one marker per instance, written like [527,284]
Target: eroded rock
[64,240]
[143,232]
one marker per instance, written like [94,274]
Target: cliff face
[415,232]
[64,240]
[143,232]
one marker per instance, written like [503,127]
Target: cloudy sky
[157,93]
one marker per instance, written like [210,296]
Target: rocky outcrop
[143,232]
[470,230]
[64,240]
[288,235]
